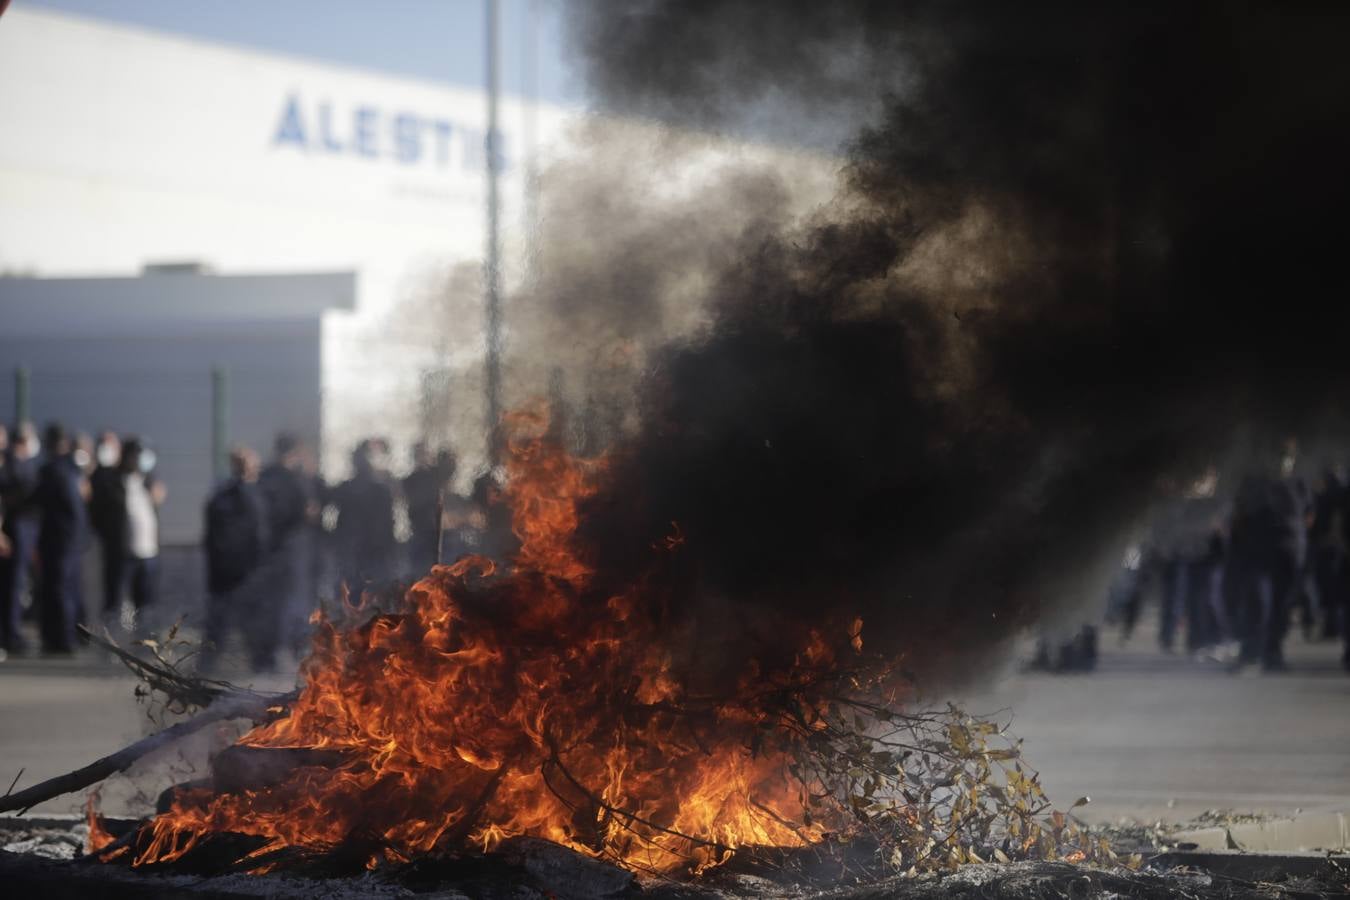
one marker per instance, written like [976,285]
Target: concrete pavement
[1151,736]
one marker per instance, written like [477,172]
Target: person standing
[288,494]
[435,512]
[1252,553]
[1291,502]
[18,487]
[144,495]
[124,509]
[62,492]
[1327,547]
[107,515]
[1267,549]
[236,544]
[364,531]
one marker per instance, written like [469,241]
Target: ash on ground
[46,855]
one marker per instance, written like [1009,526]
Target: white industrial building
[309,205]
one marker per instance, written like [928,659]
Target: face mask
[106,454]
[81,457]
[34,448]
[146,462]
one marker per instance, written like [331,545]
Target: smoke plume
[1073,249]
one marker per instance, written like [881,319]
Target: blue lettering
[407,138]
[443,130]
[326,139]
[290,130]
[364,126]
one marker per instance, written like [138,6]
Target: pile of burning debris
[510,729]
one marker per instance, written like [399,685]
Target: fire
[99,837]
[501,703]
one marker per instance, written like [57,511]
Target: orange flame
[518,704]
[98,837]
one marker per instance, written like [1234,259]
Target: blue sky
[440,40]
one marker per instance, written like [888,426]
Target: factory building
[171,207]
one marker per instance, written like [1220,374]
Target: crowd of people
[58,494]
[1231,566]
[276,536]
[1232,569]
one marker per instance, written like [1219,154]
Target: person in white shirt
[143,494]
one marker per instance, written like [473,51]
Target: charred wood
[240,768]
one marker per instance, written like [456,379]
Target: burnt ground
[529,869]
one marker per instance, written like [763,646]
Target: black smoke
[1077,248]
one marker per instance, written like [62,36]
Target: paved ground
[1150,736]
[1147,736]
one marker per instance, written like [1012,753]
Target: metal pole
[530,76]
[220,414]
[23,410]
[492,274]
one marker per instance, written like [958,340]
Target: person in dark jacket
[107,515]
[364,531]
[235,543]
[1266,550]
[23,519]
[1252,544]
[62,493]
[288,495]
[435,512]
[1292,504]
[1327,549]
